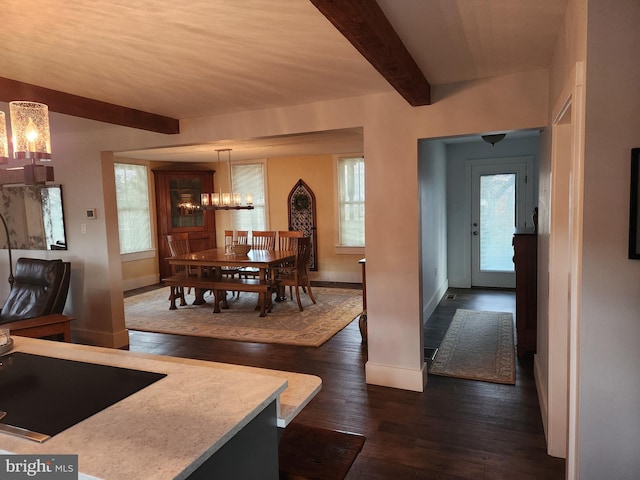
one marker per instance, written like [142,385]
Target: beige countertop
[171,427]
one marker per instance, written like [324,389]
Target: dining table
[213,262]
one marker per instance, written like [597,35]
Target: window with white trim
[132,199]
[250,178]
[351,201]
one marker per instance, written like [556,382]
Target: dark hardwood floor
[455,429]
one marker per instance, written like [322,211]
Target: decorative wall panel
[302,216]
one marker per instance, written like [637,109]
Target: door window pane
[497,221]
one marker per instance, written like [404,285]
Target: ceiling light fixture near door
[31,140]
[493,139]
[226,200]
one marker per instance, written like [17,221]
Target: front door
[497,208]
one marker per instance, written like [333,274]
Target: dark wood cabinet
[178,211]
[525,247]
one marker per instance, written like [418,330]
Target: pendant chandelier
[226,200]
[31,140]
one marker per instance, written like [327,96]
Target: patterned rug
[335,309]
[478,346]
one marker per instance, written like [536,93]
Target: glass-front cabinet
[184,195]
[178,210]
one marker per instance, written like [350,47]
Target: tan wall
[318,173]
[140,273]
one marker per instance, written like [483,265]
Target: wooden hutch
[177,209]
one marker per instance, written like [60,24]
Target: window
[132,198]
[249,178]
[351,201]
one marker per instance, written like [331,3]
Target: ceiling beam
[83,107]
[365,25]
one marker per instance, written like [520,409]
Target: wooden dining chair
[286,239]
[228,244]
[298,276]
[260,240]
[263,240]
[242,237]
[228,238]
[179,245]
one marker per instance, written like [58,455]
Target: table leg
[219,296]
[172,298]
[199,300]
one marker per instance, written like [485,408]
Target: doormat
[478,346]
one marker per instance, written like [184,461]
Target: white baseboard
[542,394]
[101,339]
[394,377]
[433,302]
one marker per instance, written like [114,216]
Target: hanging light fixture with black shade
[226,200]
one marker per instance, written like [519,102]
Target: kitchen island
[202,419]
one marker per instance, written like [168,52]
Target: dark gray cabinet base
[252,453]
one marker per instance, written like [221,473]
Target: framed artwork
[634,206]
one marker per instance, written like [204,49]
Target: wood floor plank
[456,429]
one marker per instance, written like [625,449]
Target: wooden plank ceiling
[362,22]
[365,25]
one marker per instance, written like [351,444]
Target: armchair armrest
[38,327]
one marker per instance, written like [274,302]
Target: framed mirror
[34,217]
[634,206]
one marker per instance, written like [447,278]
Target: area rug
[307,452]
[478,346]
[334,310]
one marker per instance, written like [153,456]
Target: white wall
[459,196]
[432,170]
[551,375]
[609,380]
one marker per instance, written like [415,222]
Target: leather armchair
[36,300]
